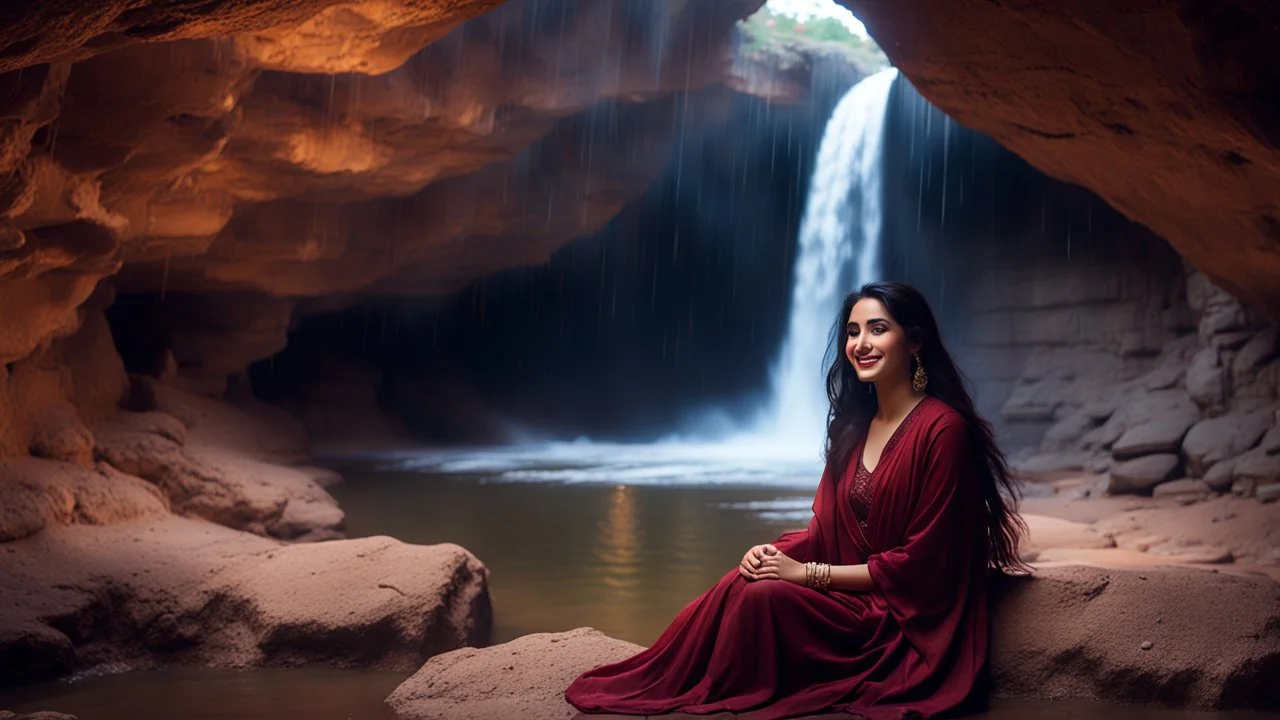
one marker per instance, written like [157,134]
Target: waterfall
[839,250]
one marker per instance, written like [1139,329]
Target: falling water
[839,250]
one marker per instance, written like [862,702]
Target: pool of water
[565,549]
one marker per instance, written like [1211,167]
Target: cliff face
[1169,111]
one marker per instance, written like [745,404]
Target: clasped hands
[766,562]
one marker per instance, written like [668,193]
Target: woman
[879,608]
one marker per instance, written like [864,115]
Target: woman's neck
[896,400]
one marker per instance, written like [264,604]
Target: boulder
[1171,407]
[1216,439]
[177,591]
[36,494]
[1220,476]
[1160,433]
[1258,466]
[1267,493]
[1260,350]
[1067,433]
[1184,490]
[524,678]
[1142,475]
[1208,383]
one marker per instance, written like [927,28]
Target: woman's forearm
[850,577]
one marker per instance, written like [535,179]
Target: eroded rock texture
[1169,111]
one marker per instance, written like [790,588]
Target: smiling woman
[879,607]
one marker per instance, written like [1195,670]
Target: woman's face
[876,345]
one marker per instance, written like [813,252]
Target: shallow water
[566,547]
[205,694]
[568,550]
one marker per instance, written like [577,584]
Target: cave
[322,321]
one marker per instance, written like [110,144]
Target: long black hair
[853,405]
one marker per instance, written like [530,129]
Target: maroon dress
[914,646]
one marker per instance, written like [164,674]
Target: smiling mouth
[868,362]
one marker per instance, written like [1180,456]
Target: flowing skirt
[769,648]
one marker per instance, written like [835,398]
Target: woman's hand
[749,568]
[780,567]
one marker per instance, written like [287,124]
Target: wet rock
[1268,493]
[1141,475]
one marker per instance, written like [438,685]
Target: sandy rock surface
[524,678]
[173,590]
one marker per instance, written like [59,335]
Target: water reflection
[623,558]
[618,550]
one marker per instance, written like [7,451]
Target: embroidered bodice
[862,489]
[860,492]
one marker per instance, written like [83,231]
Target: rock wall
[1169,111]
[1163,381]
[1046,330]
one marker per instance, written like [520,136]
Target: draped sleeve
[926,579]
[808,544]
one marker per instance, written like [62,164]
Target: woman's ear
[915,340]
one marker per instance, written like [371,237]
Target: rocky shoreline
[187,530]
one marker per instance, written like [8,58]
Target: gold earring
[919,380]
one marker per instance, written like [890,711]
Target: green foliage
[771,31]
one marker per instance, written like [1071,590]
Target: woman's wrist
[817,576]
